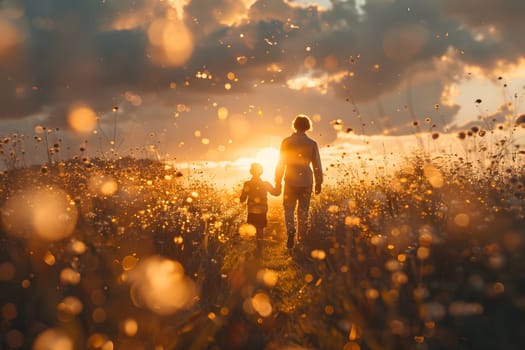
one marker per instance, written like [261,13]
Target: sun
[268,158]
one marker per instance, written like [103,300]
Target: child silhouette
[255,192]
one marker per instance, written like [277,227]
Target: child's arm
[274,191]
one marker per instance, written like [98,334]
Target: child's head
[256,169]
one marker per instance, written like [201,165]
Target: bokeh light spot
[171,42]
[261,304]
[78,247]
[247,231]
[11,37]
[433,175]
[462,220]
[130,327]
[102,184]
[318,254]
[222,113]
[49,258]
[82,119]
[69,276]
[70,305]
[268,277]
[160,285]
[129,262]
[242,59]
[48,213]
[14,339]
[9,311]
[53,339]
[99,315]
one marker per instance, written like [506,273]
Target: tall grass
[428,256]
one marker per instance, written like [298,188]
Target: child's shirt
[256,191]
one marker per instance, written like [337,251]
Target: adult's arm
[317,167]
[281,165]
[244,193]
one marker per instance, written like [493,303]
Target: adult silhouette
[300,164]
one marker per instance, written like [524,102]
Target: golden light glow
[178,6]
[433,176]
[317,80]
[100,341]
[268,277]
[47,213]
[330,62]
[127,21]
[78,247]
[318,254]
[233,15]
[261,304]
[171,42]
[70,305]
[49,258]
[82,119]
[69,276]
[222,113]
[242,59]
[129,262]
[247,231]
[53,339]
[10,37]
[239,126]
[462,220]
[133,98]
[130,327]
[102,184]
[268,158]
[160,285]
[310,62]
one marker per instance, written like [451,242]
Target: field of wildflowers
[133,254]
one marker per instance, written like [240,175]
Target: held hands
[278,187]
[317,188]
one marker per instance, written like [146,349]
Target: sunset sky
[221,80]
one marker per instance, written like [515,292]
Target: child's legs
[259,232]
[259,221]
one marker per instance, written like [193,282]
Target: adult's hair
[302,123]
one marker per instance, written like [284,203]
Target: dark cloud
[416,109]
[490,31]
[505,15]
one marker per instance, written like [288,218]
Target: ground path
[291,279]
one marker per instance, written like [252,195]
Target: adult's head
[302,123]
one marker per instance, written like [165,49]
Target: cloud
[500,17]
[208,15]
[388,58]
